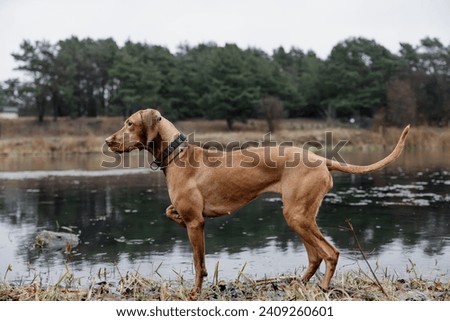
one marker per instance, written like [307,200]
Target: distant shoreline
[81,136]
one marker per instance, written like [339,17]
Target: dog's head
[138,131]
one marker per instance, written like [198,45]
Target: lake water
[401,216]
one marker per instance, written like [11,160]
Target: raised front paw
[172,213]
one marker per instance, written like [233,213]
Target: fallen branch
[364,256]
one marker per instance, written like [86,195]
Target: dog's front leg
[196,233]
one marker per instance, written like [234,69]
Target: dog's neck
[166,134]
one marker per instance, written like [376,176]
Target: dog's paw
[173,215]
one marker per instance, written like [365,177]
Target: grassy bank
[346,286]
[86,135]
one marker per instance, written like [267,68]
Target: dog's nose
[109,140]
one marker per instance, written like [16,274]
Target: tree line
[359,79]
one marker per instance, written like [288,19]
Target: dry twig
[364,256]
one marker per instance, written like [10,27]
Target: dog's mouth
[115,147]
[120,148]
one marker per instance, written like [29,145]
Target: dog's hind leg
[301,204]
[317,247]
[314,261]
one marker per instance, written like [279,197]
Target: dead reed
[346,286]
[24,136]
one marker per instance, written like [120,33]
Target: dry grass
[25,136]
[422,137]
[347,286]
[28,127]
[51,145]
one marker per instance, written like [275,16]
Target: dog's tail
[357,169]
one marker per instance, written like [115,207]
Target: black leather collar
[158,164]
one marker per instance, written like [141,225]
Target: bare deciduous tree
[272,109]
[401,103]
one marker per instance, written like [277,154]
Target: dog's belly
[216,211]
[227,203]
[220,209]
[212,210]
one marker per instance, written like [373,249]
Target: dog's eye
[130,124]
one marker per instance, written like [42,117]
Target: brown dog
[204,183]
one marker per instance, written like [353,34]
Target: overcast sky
[265,24]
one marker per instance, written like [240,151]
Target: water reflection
[398,215]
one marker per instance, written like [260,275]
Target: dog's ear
[150,117]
